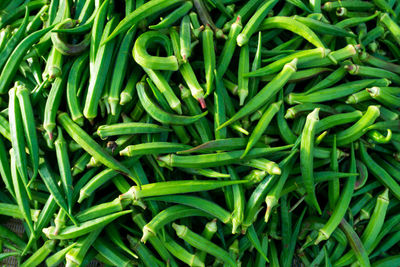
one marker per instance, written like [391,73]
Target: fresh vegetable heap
[203,132]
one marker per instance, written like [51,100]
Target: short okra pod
[244,66]
[160,115]
[185,39]
[41,254]
[254,22]
[91,147]
[201,243]
[306,156]
[372,72]
[168,215]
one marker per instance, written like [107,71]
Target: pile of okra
[200,132]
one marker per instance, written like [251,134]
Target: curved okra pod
[66,48]
[174,16]
[125,128]
[354,132]
[199,203]
[91,147]
[140,13]
[144,59]
[17,138]
[384,97]
[168,215]
[261,126]
[203,244]
[343,202]
[160,115]
[293,25]
[306,156]
[64,167]
[381,174]
[337,119]
[269,91]
[29,127]
[217,159]
[254,22]
[73,231]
